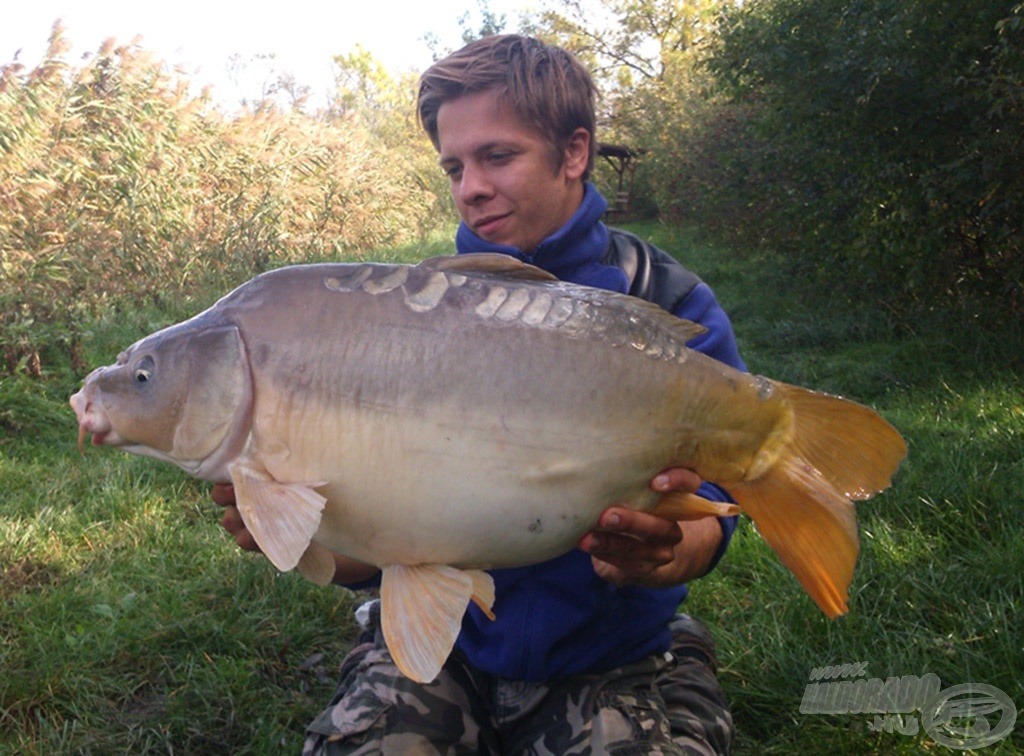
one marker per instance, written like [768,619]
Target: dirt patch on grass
[25,574]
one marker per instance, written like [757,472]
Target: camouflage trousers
[664,704]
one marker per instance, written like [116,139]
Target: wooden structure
[622,159]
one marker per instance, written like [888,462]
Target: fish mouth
[98,439]
[91,419]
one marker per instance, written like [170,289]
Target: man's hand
[224,494]
[630,547]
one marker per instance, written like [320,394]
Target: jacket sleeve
[719,342]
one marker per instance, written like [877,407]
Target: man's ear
[577,154]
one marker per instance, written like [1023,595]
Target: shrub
[894,133]
[117,188]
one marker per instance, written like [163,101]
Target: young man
[588,654]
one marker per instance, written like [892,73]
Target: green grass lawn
[130,622]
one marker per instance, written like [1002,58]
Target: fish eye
[144,370]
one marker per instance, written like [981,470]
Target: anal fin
[421,613]
[686,506]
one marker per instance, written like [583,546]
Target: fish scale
[526,303]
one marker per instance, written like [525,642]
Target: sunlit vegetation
[118,187]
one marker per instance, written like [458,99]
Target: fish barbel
[472,412]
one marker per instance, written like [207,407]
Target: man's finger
[223,494]
[624,550]
[640,525]
[233,523]
[676,479]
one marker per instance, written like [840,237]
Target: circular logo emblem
[958,717]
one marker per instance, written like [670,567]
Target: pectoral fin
[282,517]
[687,506]
[421,613]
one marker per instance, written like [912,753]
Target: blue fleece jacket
[559,617]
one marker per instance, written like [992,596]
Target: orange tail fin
[839,452]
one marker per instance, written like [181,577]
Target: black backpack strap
[653,274]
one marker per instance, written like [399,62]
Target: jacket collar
[573,253]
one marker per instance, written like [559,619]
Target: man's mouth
[489,224]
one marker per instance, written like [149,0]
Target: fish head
[183,395]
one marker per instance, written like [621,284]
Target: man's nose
[473,186]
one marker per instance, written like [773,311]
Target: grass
[130,623]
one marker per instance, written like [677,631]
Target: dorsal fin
[685,330]
[487,262]
[491,263]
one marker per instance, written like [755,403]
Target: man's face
[504,176]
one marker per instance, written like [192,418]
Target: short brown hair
[545,85]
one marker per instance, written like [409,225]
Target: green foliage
[117,187]
[627,44]
[130,624]
[884,139]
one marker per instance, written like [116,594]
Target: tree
[372,99]
[631,46]
[644,56]
[896,130]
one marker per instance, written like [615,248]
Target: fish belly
[473,491]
